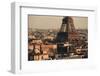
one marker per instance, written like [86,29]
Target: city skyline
[56,37]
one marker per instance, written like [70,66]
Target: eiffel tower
[65,34]
[67,25]
[67,30]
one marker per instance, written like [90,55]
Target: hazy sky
[54,22]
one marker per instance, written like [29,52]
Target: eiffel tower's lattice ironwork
[67,25]
[67,31]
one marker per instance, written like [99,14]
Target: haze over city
[54,22]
